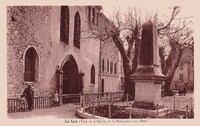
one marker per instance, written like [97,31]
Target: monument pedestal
[147,92]
[148,96]
[148,81]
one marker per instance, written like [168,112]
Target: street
[65,111]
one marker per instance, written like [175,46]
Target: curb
[86,115]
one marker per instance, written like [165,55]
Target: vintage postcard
[99,63]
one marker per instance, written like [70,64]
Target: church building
[51,48]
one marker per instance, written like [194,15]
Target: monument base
[149,109]
[150,113]
[150,106]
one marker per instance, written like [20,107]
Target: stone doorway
[71,80]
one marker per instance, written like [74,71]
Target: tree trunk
[170,76]
[136,55]
[162,58]
[129,86]
[168,82]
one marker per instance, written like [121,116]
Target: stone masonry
[26,27]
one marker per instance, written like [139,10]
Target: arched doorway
[71,79]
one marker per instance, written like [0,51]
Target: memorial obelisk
[148,77]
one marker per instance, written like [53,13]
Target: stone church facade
[50,48]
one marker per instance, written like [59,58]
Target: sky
[160,6]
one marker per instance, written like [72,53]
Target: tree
[178,40]
[174,33]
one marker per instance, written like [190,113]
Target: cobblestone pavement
[65,111]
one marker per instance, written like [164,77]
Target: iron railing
[91,98]
[70,98]
[17,104]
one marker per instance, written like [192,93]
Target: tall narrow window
[93,15]
[103,65]
[102,87]
[93,74]
[97,19]
[181,77]
[77,30]
[111,67]
[31,64]
[181,66]
[115,69]
[108,66]
[64,25]
[89,13]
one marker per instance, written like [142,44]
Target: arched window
[77,30]
[64,25]
[115,70]
[93,74]
[31,65]
[111,67]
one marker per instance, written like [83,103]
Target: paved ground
[180,101]
[65,111]
[68,111]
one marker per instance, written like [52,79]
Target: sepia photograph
[113,62]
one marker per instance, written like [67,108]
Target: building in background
[184,75]
[110,72]
[50,48]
